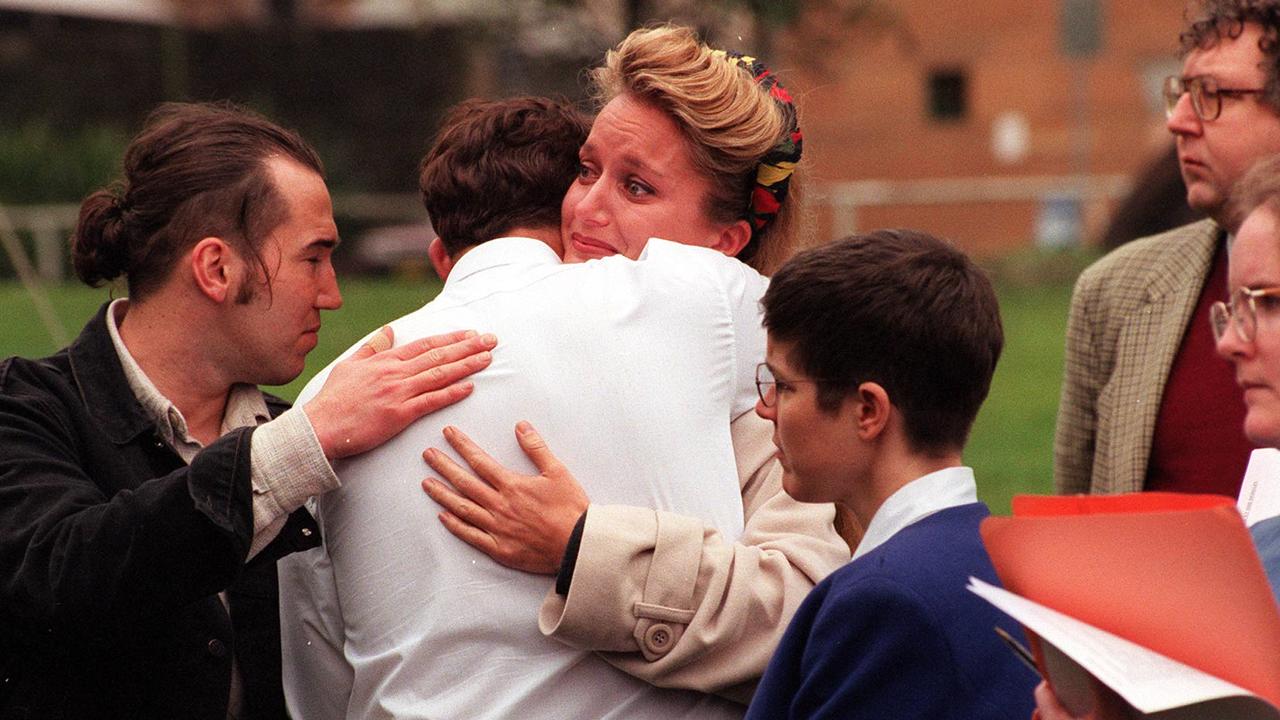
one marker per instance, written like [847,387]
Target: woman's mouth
[589,247]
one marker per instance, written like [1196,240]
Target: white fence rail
[50,225]
[846,198]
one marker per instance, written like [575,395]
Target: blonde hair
[730,123]
[1259,186]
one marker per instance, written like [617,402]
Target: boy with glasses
[881,349]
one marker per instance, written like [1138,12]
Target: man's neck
[171,356]
[548,235]
[1223,218]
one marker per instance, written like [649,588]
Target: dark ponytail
[100,245]
[195,170]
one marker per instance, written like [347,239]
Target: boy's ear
[873,410]
[440,259]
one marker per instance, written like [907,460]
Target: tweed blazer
[1128,315]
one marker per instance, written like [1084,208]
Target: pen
[1023,654]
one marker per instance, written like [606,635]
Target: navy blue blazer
[895,635]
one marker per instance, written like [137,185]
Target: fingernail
[523,427]
[485,356]
[449,430]
[469,334]
[490,339]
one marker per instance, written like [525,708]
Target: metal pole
[29,279]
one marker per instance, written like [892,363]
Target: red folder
[1175,573]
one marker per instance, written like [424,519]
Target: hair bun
[100,246]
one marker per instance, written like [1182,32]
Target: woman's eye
[1268,303]
[636,188]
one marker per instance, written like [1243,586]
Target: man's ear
[216,268]
[440,259]
[733,238]
[873,410]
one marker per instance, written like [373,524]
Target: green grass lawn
[1012,444]
[1011,449]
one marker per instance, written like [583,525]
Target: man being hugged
[632,369]
[881,349]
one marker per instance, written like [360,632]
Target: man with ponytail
[147,486]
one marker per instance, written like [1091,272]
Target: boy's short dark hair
[498,165]
[900,308]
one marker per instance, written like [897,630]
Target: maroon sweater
[1199,443]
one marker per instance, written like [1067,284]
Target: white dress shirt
[918,499]
[632,371]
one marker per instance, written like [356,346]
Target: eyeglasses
[1244,310]
[1206,96]
[767,385]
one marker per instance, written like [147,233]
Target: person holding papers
[1246,328]
[881,349]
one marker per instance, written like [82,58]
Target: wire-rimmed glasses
[1243,309]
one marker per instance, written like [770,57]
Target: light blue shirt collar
[924,496]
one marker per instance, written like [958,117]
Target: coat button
[657,638]
[217,648]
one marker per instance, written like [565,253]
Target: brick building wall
[867,108]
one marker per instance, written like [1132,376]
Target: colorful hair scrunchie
[773,175]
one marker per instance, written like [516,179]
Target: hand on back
[371,396]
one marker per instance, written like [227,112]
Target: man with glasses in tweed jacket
[1146,404]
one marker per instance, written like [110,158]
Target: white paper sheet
[1260,492]
[1147,680]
